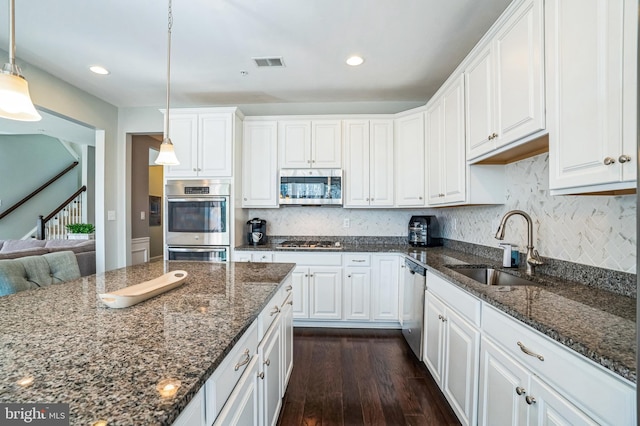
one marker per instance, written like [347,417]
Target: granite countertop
[105,363]
[598,324]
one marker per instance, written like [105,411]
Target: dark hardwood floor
[360,377]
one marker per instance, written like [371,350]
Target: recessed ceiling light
[99,70]
[354,61]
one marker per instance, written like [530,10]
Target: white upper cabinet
[592,95]
[446,162]
[260,164]
[504,82]
[409,160]
[203,143]
[368,163]
[310,144]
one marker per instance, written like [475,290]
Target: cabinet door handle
[609,161]
[267,362]
[245,361]
[520,390]
[527,351]
[289,288]
[358,260]
[419,198]
[261,375]
[624,158]
[290,302]
[194,169]
[245,199]
[442,318]
[348,276]
[274,311]
[530,400]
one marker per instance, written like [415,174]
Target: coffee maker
[257,232]
[424,231]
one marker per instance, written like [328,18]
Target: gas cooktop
[310,244]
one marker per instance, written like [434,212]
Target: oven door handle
[188,200]
[196,250]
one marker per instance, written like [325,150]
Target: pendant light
[15,102]
[167,156]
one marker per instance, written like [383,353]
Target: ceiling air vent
[269,62]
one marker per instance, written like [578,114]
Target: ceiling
[410,47]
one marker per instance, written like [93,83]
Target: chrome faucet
[533,258]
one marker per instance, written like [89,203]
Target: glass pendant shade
[167,155]
[15,102]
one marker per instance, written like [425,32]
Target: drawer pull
[274,311]
[245,361]
[358,260]
[520,390]
[289,288]
[530,400]
[524,349]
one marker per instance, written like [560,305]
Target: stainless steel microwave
[308,187]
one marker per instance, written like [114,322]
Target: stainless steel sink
[490,276]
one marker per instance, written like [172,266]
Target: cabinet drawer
[270,312]
[310,259]
[465,304]
[262,256]
[224,379]
[598,392]
[356,259]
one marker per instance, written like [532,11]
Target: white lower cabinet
[511,395]
[385,286]
[357,287]
[357,292]
[242,408]
[540,382]
[317,284]
[270,375]
[451,349]
[287,339]
[325,293]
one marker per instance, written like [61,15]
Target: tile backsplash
[592,230]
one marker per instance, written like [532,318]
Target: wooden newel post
[40,228]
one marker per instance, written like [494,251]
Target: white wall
[65,100]
[591,230]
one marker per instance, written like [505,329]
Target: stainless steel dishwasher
[413,305]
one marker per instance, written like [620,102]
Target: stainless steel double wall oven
[197,220]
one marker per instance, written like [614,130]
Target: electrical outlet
[111,215]
[346,223]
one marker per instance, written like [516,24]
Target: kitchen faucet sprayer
[533,258]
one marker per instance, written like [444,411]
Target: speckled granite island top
[105,363]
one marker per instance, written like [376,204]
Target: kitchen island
[106,363]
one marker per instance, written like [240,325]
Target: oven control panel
[196,190]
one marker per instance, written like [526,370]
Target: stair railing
[54,225]
[37,191]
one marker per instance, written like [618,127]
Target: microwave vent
[275,61]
